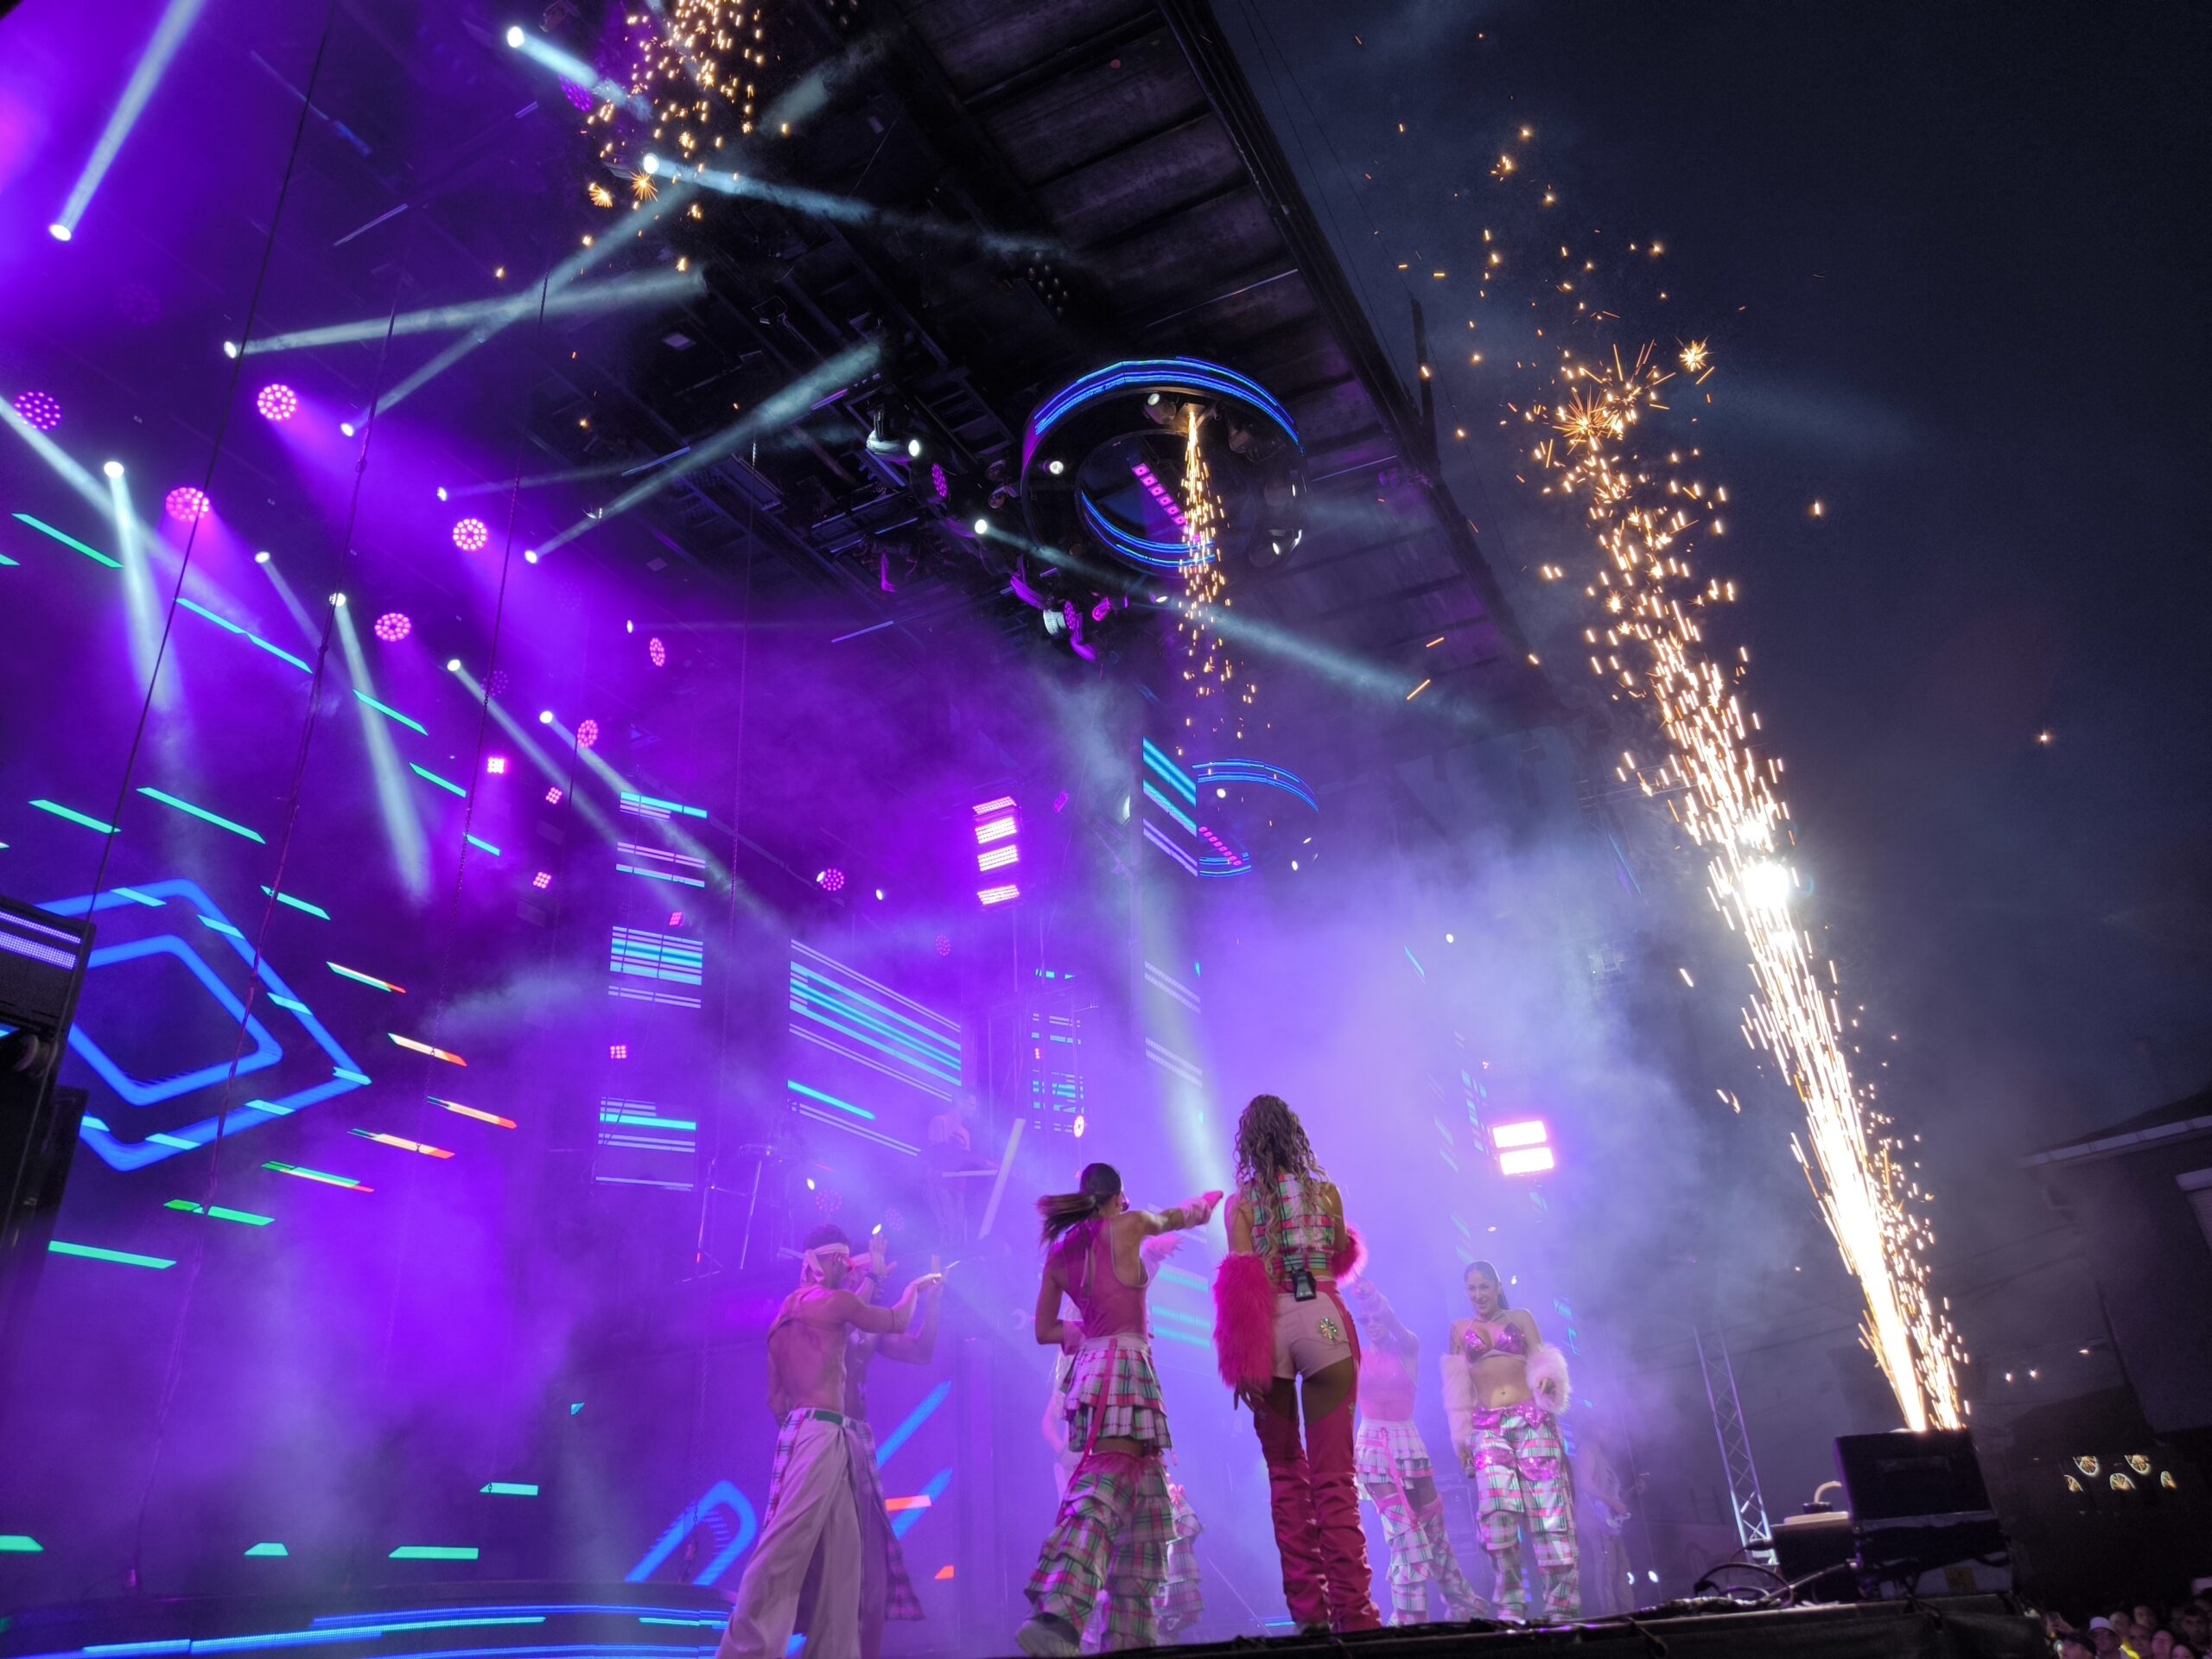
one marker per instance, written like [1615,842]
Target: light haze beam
[178,16]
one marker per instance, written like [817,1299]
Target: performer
[1395,1468]
[1278,1319]
[887,1592]
[1116,1518]
[1183,1599]
[1504,1388]
[812,1517]
[1601,1516]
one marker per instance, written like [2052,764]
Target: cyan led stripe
[220,926]
[20,1543]
[629,798]
[913,1420]
[267,1551]
[446,783]
[949,1042]
[659,875]
[1255,772]
[67,540]
[391,712]
[278,651]
[816,1115]
[902,1055]
[1153,834]
[497,1488]
[1153,794]
[853,975]
[93,1253]
[223,622]
[75,817]
[798,1088]
[200,812]
[1184,783]
[648,1122]
[483,846]
[1156,372]
[298,904]
[902,1042]
[434,1553]
[244,1216]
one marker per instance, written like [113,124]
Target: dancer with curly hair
[1504,1388]
[1116,1519]
[1287,1347]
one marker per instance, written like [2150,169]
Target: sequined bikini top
[1508,1340]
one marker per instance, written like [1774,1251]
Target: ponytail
[1100,1185]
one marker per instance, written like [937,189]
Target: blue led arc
[1138,549]
[1155,373]
[1255,772]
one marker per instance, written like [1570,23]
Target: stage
[622,1621]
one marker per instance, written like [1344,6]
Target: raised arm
[914,1345]
[842,1307]
[1191,1212]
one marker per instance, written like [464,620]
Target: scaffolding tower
[1743,1474]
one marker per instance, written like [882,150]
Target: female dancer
[1115,1517]
[1504,1390]
[1395,1468]
[1278,1319]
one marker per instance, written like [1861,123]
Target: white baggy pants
[813,1519]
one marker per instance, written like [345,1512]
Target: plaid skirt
[900,1600]
[1113,1392]
[1391,1450]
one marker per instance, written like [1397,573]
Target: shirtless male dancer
[815,1493]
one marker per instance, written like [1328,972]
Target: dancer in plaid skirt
[1504,1389]
[1395,1471]
[1116,1518]
[1183,1601]
[812,1521]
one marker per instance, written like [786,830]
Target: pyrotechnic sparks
[1205,587]
[693,64]
[1651,647]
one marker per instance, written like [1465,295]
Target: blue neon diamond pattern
[128,1155]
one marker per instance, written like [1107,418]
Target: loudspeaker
[1921,1515]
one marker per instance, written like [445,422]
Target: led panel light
[1529,1133]
[1526,1160]
[998,895]
[996,829]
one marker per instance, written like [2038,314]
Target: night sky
[1951,263]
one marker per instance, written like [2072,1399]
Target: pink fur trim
[1244,1322]
[1547,1378]
[1349,1260]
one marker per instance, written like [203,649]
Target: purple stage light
[657,652]
[939,482]
[618,1050]
[1077,1127]
[553,796]
[277,402]
[832,879]
[471,535]
[1060,801]
[187,503]
[541,880]
[393,627]
[944,945]
[579,98]
[676,919]
[41,410]
[496,764]
[588,734]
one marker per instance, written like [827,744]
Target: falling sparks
[693,61]
[1208,667]
[1644,508]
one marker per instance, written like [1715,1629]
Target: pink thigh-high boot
[1330,1450]
[1290,1492]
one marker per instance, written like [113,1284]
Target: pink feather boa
[1547,1378]
[1244,1322]
[1349,1259]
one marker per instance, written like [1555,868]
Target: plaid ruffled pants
[1392,1459]
[1521,1475]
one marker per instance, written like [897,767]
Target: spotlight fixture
[914,448]
[185,502]
[471,535]
[657,652]
[651,162]
[944,945]
[588,734]
[530,555]
[393,627]
[113,468]
[496,764]
[41,411]
[262,557]
[346,429]
[982,526]
[452,664]
[515,36]
[277,402]
[831,880]
[230,348]
[545,716]
[338,600]
[1056,468]
[442,492]
[58,231]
